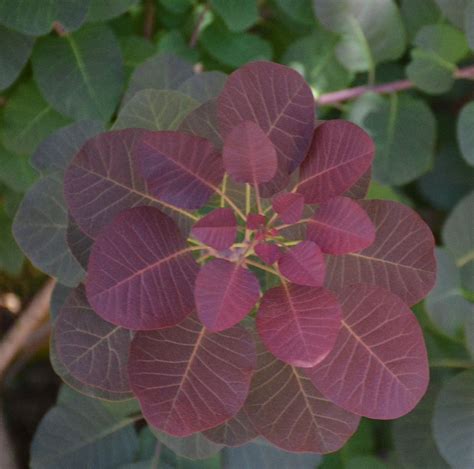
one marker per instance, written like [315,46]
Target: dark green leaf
[173,42]
[465,132]
[365,462]
[135,51]
[419,13]
[16,171]
[238,15]
[469,23]
[301,11]
[11,258]
[453,10]
[103,10]
[195,446]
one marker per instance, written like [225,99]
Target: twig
[150,19]
[17,337]
[197,29]
[392,87]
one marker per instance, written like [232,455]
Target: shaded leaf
[185,363]
[77,78]
[289,206]
[16,171]
[203,86]
[268,252]
[453,10]
[340,154]
[469,23]
[59,296]
[195,446]
[135,50]
[464,131]
[103,10]
[222,307]
[378,367]
[217,229]
[79,243]
[299,324]
[141,272]
[361,187]
[401,259]
[418,14]
[11,258]
[340,226]
[237,15]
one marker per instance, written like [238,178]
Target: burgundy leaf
[141,273]
[289,205]
[303,264]
[379,366]
[288,411]
[249,155]
[341,225]
[225,293]
[188,379]
[181,169]
[92,350]
[268,252]
[234,432]
[217,229]
[279,101]
[401,258]
[340,153]
[255,221]
[103,180]
[299,324]
[79,243]
[361,187]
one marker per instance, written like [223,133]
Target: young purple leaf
[217,229]
[291,413]
[249,155]
[141,272]
[92,350]
[255,221]
[289,206]
[268,252]
[360,188]
[379,366]
[340,153]
[225,293]
[181,169]
[341,225]
[303,264]
[401,259]
[188,379]
[299,324]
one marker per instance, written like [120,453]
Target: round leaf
[465,133]
[217,229]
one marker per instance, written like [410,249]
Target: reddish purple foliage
[329,350]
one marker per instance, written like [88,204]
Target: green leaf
[173,42]
[301,11]
[135,50]
[469,23]
[433,62]
[40,231]
[14,53]
[446,305]
[238,15]
[11,257]
[362,443]
[79,432]
[155,110]
[204,86]
[234,49]
[465,132]
[453,10]
[315,58]
[453,420]
[419,13]
[370,34]
[36,18]
[365,462]
[381,192]
[27,119]
[103,10]
[469,333]
[60,293]
[404,131]
[16,171]
[178,7]
[195,446]
[78,77]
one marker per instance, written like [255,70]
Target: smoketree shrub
[238,286]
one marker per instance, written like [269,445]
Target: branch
[149,19]
[326,99]
[19,334]
[197,29]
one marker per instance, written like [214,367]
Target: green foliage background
[68,64]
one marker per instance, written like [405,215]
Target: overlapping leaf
[340,154]
[188,379]
[79,243]
[268,252]
[217,229]
[195,446]
[180,169]
[203,86]
[378,367]
[464,131]
[141,273]
[289,206]
[401,258]
[340,226]
[299,324]
[237,293]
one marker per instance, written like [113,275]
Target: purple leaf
[288,411]
[268,252]
[401,258]
[299,324]
[255,221]
[289,206]
[340,153]
[339,226]
[279,101]
[361,187]
[103,180]
[79,243]
[181,169]
[379,366]
[234,432]
[217,229]
[225,293]
[249,155]
[188,379]
[141,272]
[93,351]
[303,264]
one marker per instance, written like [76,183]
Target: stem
[262,267]
[197,29]
[257,199]
[466,73]
[149,22]
[282,227]
[230,202]
[451,363]
[224,188]
[247,199]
